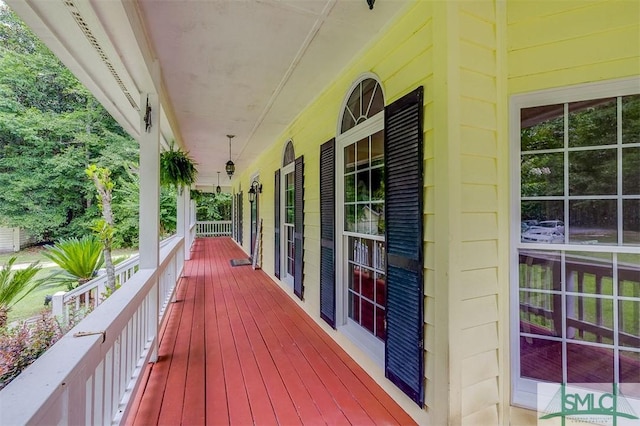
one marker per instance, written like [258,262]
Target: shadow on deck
[237,350]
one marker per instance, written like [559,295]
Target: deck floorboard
[235,349]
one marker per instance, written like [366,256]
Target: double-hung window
[575,266]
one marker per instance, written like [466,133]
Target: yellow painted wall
[562,43]
[470,56]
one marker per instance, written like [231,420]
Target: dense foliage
[51,129]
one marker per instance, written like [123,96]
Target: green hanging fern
[177,169]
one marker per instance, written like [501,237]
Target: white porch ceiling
[241,67]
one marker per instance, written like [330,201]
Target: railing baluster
[599,305]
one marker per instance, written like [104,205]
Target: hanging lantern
[230,167]
[218,189]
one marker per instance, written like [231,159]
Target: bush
[20,346]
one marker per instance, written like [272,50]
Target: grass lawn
[33,303]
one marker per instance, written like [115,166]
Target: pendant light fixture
[218,189]
[230,167]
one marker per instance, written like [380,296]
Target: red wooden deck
[237,350]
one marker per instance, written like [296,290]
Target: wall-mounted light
[370,3]
[230,167]
[254,190]
[218,189]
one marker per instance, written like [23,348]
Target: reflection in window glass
[593,122]
[593,172]
[631,221]
[542,174]
[631,119]
[542,127]
[538,314]
[589,319]
[593,222]
[541,222]
[588,364]
[589,273]
[365,101]
[367,284]
[631,171]
[629,372]
[535,353]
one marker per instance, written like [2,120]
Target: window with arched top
[289,155]
[365,101]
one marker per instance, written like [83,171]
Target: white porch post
[150,206]
[183,220]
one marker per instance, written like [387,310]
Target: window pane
[593,122]
[349,158]
[542,221]
[542,174]
[377,219]
[593,222]
[350,218]
[361,251]
[540,270]
[366,283]
[380,323]
[354,278]
[588,364]
[377,184]
[367,319]
[631,221]
[380,290]
[590,319]
[541,359]
[631,171]
[629,323]
[540,313]
[588,272]
[593,172]
[362,152]
[542,127]
[377,149]
[630,370]
[365,217]
[363,186]
[629,275]
[354,307]
[631,119]
[350,188]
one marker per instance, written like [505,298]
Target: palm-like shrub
[80,259]
[15,285]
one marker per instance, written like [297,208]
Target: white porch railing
[90,294]
[217,228]
[90,375]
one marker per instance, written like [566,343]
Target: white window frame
[284,171]
[524,391]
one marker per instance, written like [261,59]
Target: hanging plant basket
[177,169]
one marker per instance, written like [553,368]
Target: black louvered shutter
[327,233]
[240,214]
[298,230]
[276,225]
[404,359]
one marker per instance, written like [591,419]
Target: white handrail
[217,228]
[90,375]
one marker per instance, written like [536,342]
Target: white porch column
[183,220]
[150,207]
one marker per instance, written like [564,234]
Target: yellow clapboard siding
[597,18]
[478,255]
[429,341]
[478,339]
[481,9]
[585,74]
[479,282]
[429,283]
[522,10]
[429,204]
[486,416]
[479,367]
[429,310]
[477,31]
[429,228]
[479,198]
[477,58]
[479,396]
[478,86]
[477,113]
[603,47]
[429,255]
[479,226]
[479,170]
[404,53]
[478,142]
[482,310]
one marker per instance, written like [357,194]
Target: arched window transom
[289,154]
[365,101]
